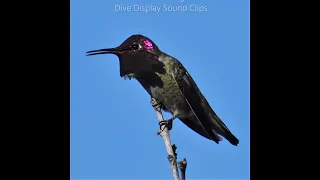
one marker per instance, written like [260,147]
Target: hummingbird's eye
[135,47]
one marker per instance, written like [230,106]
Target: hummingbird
[168,83]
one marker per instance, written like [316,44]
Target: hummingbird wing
[202,111]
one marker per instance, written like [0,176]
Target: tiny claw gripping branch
[167,123]
[155,104]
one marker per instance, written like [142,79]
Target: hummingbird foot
[155,104]
[167,123]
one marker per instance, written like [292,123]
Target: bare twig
[183,167]
[164,133]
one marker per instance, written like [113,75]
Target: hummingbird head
[136,54]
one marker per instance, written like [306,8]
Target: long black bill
[103,51]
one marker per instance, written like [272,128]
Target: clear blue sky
[113,126]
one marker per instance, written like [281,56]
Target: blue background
[113,126]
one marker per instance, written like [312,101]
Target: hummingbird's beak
[103,51]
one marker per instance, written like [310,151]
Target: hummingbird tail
[223,130]
[231,138]
[193,124]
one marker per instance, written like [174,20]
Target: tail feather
[231,138]
[196,126]
[222,129]
[218,128]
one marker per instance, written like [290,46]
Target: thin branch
[164,133]
[171,157]
[183,167]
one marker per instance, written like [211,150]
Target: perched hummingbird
[169,83]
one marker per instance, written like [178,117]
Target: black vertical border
[60,87]
[269,122]
[39,82]
[255,15]
[260,37]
